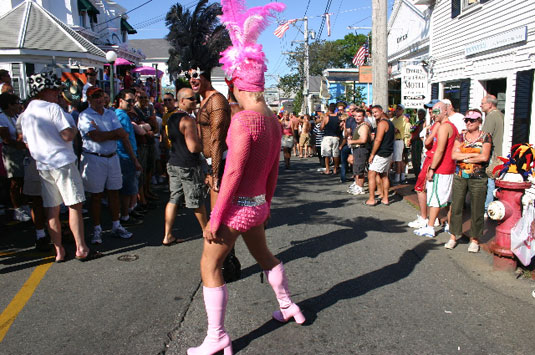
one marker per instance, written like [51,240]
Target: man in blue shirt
[130,165]
[100,167]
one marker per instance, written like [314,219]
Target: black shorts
[296,135]
[360,160]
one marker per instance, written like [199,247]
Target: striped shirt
[318,133]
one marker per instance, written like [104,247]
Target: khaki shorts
[380,164]
[62,185]
[304,139]
[329,147]
[187,186]
[398,150]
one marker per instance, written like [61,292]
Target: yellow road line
[18,302]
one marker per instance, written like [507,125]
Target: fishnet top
[252,165]
[214,120]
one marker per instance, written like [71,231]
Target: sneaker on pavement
[97,237]
[419,222]
[136,214]
[446,227]
[450,244]
[131,221]
[21,215]
[425,231]
[473,247]
[121,232]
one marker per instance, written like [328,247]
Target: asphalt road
[365,282]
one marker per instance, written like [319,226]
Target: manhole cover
[128,257]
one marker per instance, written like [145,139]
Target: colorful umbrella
[147,71]
[121,61]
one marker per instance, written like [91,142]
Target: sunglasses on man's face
[191,98]
[194,75]
[436,112]
[130,101]
[167,100]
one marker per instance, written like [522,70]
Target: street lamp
[111,57]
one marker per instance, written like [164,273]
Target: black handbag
[231,267]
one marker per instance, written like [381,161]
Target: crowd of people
[451,155]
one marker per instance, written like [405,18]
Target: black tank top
[179,155]
[332,127]
[387,145]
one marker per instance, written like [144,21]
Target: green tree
[322,55]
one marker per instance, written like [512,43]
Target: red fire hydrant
[507,211]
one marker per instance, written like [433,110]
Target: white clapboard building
[486,46]
[408,53]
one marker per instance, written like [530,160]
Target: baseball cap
[431,103]
[93,90]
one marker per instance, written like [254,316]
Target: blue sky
[149,21]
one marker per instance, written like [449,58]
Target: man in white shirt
[100,167]
[454,117]
[48,131]
[91,76]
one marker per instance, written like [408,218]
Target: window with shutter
[455,8]
[483,1]
[434,91]
[464,100]
[523,103]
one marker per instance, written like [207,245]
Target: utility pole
[306,82]
[379,53]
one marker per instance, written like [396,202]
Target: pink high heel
[217,339]
[288,310]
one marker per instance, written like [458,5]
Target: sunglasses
[436,111]
[194,75]
[130,101]
[167,100]
[191,98]
[471,120]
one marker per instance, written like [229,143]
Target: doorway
[498,88]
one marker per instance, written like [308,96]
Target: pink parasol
[147,71]
[121,61]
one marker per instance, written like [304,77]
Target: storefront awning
[125,26]
[87,6]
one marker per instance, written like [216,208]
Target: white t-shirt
[458,121]
[41,124]
[84,91]
[10,124]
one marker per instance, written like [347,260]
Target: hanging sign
[414,86]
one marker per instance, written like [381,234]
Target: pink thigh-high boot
[217,339]
[278,281]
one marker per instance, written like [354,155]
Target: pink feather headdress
[244,61]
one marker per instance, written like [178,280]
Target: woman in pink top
[249,179]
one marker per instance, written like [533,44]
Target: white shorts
[99,173]
[330,147]
[62,185]
[287,142]
[32,181]
[439,190]
[398,150]
[380,164]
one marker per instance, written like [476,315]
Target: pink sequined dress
[251,172]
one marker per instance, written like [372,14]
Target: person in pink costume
[249,179]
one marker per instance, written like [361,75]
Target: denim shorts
[186,185]
[130,180]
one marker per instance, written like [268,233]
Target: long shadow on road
[348,289]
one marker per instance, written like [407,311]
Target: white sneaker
[21,215]
[419,222]
[473,247]
[356,190]
[446,227]
[97,237]
[450,244]
[121,232]
[425,231]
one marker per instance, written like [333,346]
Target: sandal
[173,242]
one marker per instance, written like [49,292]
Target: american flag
[361,55]
[279,31]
